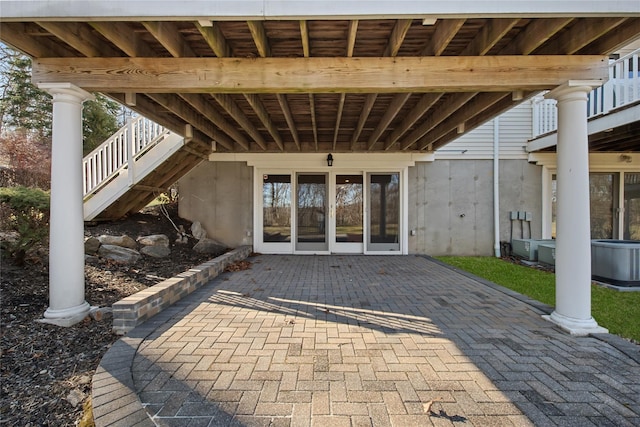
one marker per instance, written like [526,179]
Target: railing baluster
[622,88]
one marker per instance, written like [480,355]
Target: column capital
[66,92]
[573,87]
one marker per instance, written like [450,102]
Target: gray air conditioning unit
[528,248]
[616,261]
[547,253]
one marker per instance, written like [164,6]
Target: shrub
[25,211]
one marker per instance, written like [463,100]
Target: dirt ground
[46,370]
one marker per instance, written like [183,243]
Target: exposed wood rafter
[263,115]
[234,111]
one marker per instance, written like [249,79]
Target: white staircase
[123,160]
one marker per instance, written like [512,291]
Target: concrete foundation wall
[451,204]
[220,196]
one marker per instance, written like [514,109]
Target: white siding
[515,129]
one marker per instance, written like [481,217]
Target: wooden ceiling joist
[234,111]
[200,104]
[263,115]
[122,36]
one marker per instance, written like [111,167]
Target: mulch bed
[46,370]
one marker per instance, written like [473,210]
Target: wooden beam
[462,115]
[263,115]
[451,106]
[490,34]
[141,187]
[351,37]
[314,124]
[201,105]
[181,109]
[336,128]
[394,108]
[286,110]
[617,38]
[123,36]
[215,39]
[366,109]
[445,31]
[537,33]
[321,75]
[582,33]
[304,36]
[168,35]
[260,38]
[150,109]
[397,37]
[485,115]
[15,34]
[426,102]
[195,153]
[234,111]
[80,37]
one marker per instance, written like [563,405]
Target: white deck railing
[120,151]
[622,88]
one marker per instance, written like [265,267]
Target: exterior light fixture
[329,160]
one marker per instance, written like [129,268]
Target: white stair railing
[622,88]
[120,151]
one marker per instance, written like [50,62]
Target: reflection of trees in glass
[385,208]
[601,205]
[276,202]
[311,204]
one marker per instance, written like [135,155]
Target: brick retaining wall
[139,307]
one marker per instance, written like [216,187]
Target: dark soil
[46,370]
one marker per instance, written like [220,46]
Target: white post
[66,240]
[573,235]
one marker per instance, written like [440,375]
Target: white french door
[324,212]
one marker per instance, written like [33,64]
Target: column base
[66,317]
[574,326]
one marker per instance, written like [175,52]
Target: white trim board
[319,160]
[301,9]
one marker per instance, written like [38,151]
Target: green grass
[617,311]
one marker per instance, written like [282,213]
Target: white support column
[573,233]
[66,240]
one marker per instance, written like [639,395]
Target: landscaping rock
[154,240]
[155,251]
[209,246]
[119,254]
[91,246]
[122,241]
[197,231]
[91,259]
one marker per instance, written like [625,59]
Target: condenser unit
[547,253]
[528,248]
[616,261]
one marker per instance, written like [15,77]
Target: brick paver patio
[362,341]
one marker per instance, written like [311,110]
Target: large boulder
[154,240]
[197,231]
[155,251]
[91,246]
[122,241]
[209,246]
[119,254]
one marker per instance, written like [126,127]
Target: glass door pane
[384,212]
[276,208]
[311,213]
[631,206]
[349,208]
[602,200]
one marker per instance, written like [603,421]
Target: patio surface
[362,341]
